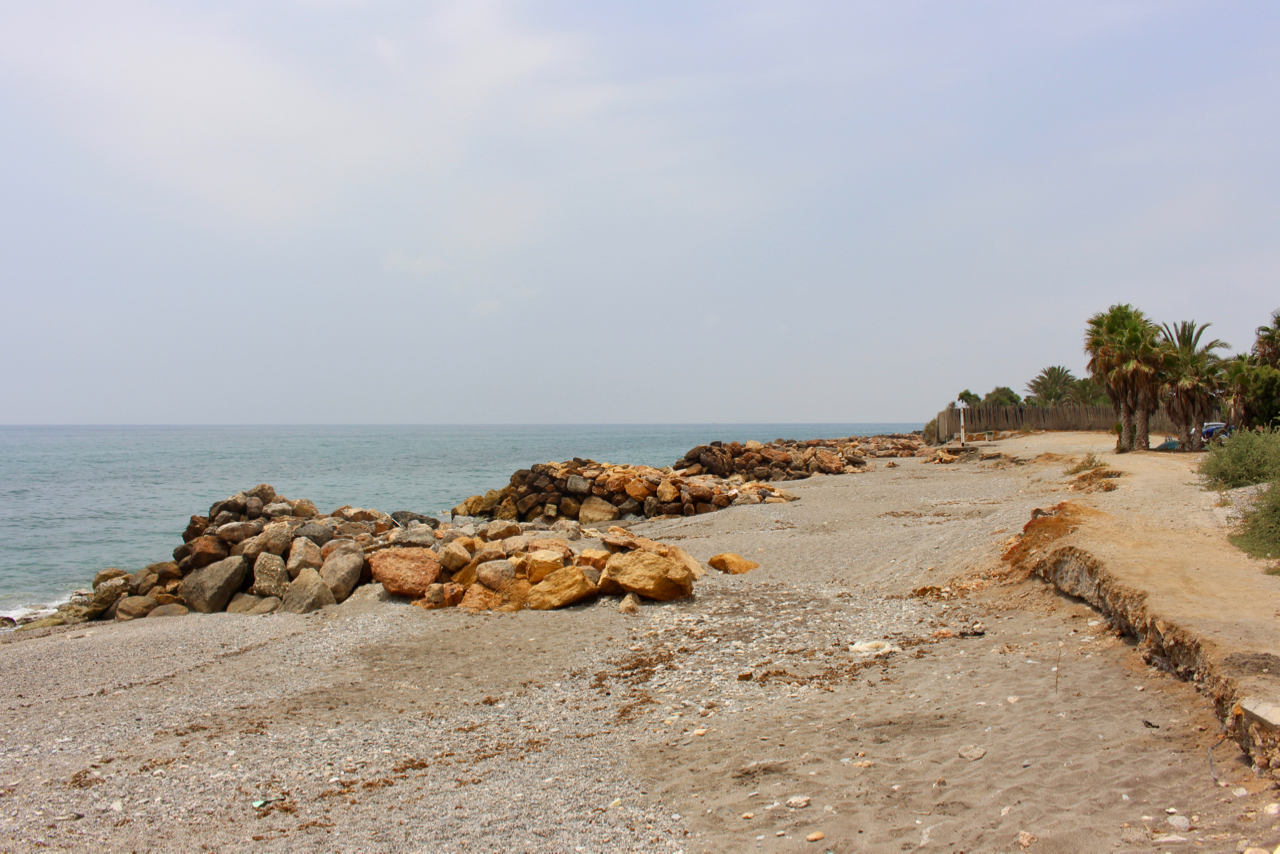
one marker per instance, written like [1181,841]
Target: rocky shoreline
[531,544]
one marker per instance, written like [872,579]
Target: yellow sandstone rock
[542,563]
[649,575]
[733,564]
[560,588]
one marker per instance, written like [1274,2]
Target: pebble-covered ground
[814,695]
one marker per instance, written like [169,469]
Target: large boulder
[107,594]
[315,532]
[237,532]
[264,492]
[454,556]
[405,572]
[134,607]
[205,550]
[501,529]
[270,577]
[560,588]
[105,575]
[419,536]
[495,574]
[173,609]
[211,588]
[303,554]
[341,571]
[595,510]
[649,575]
[542,563]
[308,592]
[252,606]
[304,508]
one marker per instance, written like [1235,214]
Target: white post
[962,409]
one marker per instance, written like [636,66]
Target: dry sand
[381,727]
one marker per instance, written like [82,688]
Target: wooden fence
[978,419]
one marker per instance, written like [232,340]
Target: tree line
[1140,367]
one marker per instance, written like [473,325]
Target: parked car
[1213,429]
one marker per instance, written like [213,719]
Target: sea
[76,499]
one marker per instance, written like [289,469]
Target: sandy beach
[817,703]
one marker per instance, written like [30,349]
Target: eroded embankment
[1164,643]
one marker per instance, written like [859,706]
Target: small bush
[1248,457]
[1259,532]
[1089,463]
[931,432]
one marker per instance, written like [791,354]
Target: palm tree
[1237,383]
[1193,378]
[1266,349]
[1085,391]
[1121,345]
[1052,386]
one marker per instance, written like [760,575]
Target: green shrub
[1259,532]
[1248,457]
[931,432]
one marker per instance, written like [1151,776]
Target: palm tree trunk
[1126,429]
[1142,437]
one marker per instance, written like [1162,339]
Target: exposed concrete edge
[1252,722]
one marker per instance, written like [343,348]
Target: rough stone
[419,536]
[405,572]
[495,574]
[501,529]
[649,575]
[630,604]
[595,510]
[270,577]
[667,492]
[404,517]
[454,556]
[277,509]
[236,532]
[107,594]
[242,603]
[303,554]
[542,563]
[173,609]
[341,571]
[104,575]
[264,492]
[315,532]
[560,588]
[304,508]
[134,607]
[211,588]
[732,564]
[480,598]
[206,550]
[308,592]
[441,596]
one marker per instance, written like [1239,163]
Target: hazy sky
[412,212]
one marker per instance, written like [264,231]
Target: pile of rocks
[708,478]
[782,459]
[256,553]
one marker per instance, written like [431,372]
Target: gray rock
[315,532]
[234,504]
[210,589]
[578,485]
[134,607]
[270,578]
[422,536]
[571,529]
[303,553]
[341,571]
[171,610]
[404,517]
[7,622]
[513,545]
[306,593]
[278,537]
[495,573]
[277,509]
[253,507]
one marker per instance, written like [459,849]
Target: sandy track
[383,727]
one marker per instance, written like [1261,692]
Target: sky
[372,211]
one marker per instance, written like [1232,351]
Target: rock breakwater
[257,552]
[706,479]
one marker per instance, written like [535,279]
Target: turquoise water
[76,499]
